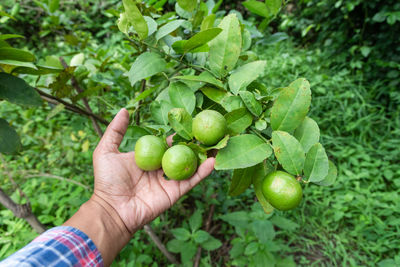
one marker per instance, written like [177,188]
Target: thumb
[115,132]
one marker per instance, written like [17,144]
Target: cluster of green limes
[179,162]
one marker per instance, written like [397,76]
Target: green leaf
[181,233]
[316,164]
[187,253]
[237,218]
[204,77]
[251,103]
[232,102]
[133,133]
[241,180]
[201,38]
[175,245]
[168,28]
[181,122]
[264,230]
[331,177]
[262,170]
[307,133]
[159,111]
[123,23]
[211,244]
[225,48]
[284,223]
[187,5]
[246,42]
[201,236]
[146,65]
[221,144]
[57,109]
[273,5]
[251,248]
[195,220]
[54,5]
[245,75]
[60,87]
[178,47]
[208,22]
[288,152]
[181,96]
[16,54]
[9,36]
[214,94]
[241,152]
[238,120]
[135,18]
[258,8]
[9,139]
[151,25]
[197,149]
[17,91]
[18,64]
[291,106]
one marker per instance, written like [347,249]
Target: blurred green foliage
[352,61]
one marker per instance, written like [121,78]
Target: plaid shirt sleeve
[59,246]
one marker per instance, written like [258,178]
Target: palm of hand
[138,196]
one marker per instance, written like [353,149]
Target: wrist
[102,224]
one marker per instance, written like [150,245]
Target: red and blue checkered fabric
[59,246]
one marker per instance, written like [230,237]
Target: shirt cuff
[59,246]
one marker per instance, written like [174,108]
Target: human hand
[137,196]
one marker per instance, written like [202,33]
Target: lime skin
[149,150]
[209,127]
[282,190]
[179,162]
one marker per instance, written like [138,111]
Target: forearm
[103,225]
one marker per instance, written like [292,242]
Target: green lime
[179,162]
[149,150]
[209,127]
[282,190]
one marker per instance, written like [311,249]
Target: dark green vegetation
[355,222]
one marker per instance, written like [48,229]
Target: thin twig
[137,115]
[159,244]
[51,176]
[76,109]
[207,229]
[75,84]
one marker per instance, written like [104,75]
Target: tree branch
[137,115]
[159,244]
[23,211]
[76,109]
[75,84]
[207,228]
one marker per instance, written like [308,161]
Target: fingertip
[124,112]
[206,167]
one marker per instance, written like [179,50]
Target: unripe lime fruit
[282,190]
[179,162]
[149,150]
[209,127]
